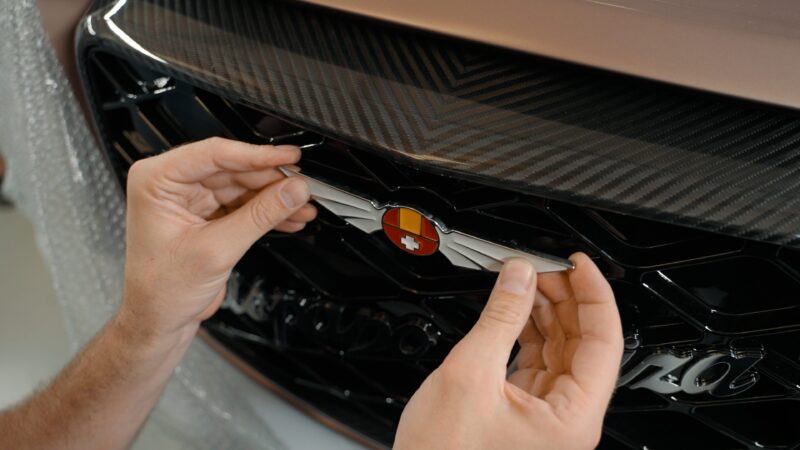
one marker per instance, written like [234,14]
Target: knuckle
[215,141]
[214,146]
[503,310]
[293,227]
[263,213]
[139,174]
[136,170]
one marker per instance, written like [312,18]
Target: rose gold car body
[746,48]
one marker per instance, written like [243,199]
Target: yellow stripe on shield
[410,221]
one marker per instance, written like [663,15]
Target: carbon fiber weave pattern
[535,125]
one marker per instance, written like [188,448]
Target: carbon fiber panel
[553,129]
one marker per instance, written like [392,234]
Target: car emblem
[721,372]
[420,234]
[409,230]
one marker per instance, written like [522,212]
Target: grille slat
[351,326]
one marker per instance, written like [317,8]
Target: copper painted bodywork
[59,19]
[748,49]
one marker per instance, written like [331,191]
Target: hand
[570,349]
[192,214]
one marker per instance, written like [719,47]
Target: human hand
[192,214]
[570,349]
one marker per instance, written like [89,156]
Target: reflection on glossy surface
[753,285]
[719,372]
[350,325]
[779,17]
[745,48]
[525,123]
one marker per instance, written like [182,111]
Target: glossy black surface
[516,121]
[352,325]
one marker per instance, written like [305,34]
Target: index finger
[199,160]
[595,366]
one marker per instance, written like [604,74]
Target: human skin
[570,337]
[192,214]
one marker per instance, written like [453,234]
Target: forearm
[101,399]
[186,229]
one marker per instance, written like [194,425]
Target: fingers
[595,365]
[290,226]
[276,203]
[555,286]
[298,220]
[549,325]
[305,214]
[529,360]
[230,202]
[251,180]
[492,338]
[231,196]
[199,160]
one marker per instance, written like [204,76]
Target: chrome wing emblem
[459,248]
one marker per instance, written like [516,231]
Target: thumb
[239,230]
[505,314]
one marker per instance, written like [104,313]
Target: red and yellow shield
[410,231]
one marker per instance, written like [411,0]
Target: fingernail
[295,193]
[293,148]
[516,276]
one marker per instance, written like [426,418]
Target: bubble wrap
[58,178]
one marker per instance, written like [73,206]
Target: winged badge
[416,233]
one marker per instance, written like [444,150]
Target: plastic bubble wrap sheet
[60,181]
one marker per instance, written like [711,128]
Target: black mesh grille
[350,325]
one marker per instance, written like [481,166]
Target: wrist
[144,333]
[149,315]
